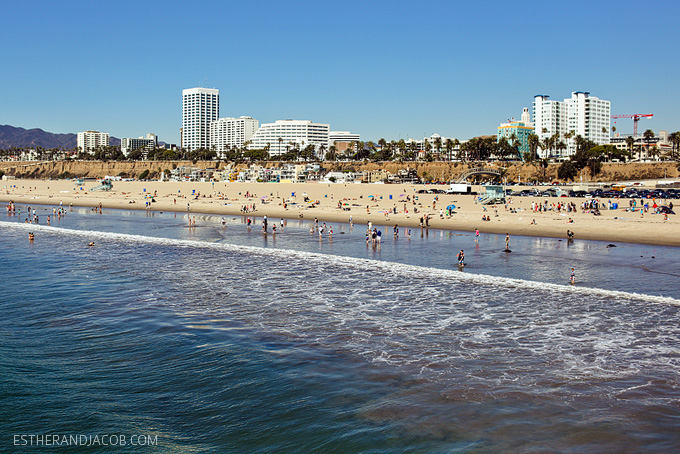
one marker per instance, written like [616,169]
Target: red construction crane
[636,118]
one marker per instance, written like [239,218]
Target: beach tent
[665,210]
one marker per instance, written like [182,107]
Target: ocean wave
[352,262]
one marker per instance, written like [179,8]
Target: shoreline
[224,198]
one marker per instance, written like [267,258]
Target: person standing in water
[572,277]
[461,258]
[476,235]
[507,241]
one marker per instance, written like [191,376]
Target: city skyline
[382,71]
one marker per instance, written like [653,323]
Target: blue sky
[381,69]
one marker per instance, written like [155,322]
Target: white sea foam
[351,262]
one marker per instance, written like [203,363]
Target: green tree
[534,142]
[648,135]
[630,142]
[332,154]
[567,171]
[448,146]
[438,145]
[674,138]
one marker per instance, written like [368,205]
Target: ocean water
[221,339]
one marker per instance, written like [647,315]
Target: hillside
[12,136]
[438,171]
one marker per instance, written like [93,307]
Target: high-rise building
[581,115]
[281,135]
[588,117]
[147,144]
[89,141]
[200,107]
[550,118]
[231,132]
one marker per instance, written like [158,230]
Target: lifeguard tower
[493,194]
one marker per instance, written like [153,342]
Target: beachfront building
[283,135]
[338,177]
[588,117]
[518,130]
[89,141]
[200,107]
[146,144]
[227,133]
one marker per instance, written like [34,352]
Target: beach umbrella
[450,208]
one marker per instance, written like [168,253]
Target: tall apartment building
[550,117]
[147,144]
[88,141]
[231,132]
[582,114]
[280,134]
[588,117]
[200,107]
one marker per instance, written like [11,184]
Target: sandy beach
[362,202]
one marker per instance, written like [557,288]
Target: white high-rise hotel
[200,107]
[231,132]
[89,141]
[582,114]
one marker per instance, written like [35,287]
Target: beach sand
[381,199]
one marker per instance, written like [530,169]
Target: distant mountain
[11,136]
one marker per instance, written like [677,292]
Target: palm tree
[413,147]
[648,135]
[322,151]
[534,142]
[438,144]
[630,141]
[674,137]
[332,152]
[448,144]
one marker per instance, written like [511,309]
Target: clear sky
[392,69]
